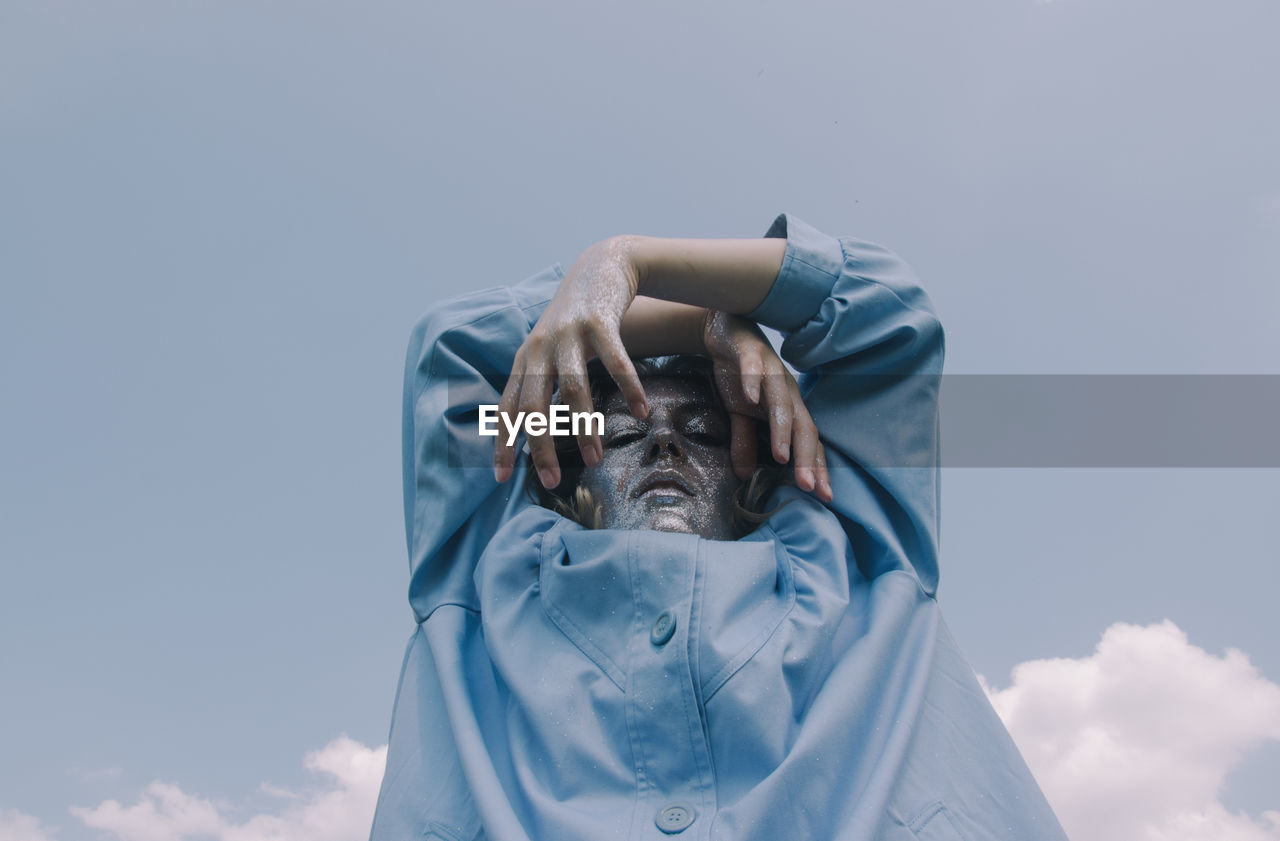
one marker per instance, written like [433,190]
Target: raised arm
[632,296]
[458,358]
[865,335]
[856,322]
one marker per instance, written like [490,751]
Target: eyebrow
[685,410]
[701,398]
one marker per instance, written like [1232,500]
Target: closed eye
[622,439]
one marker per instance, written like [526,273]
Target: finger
[742,445]
[504,455]
[810,454]
[608,346]
[777,398]
[804,444]
[535,396]
[824,476]
[751,370]
[575,390]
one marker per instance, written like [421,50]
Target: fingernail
[639,409]
[753,392]
[548,477]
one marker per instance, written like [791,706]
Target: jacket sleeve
[869,347]
[459,357]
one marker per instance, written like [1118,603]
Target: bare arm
[731,275]
[675,282]
[686,288]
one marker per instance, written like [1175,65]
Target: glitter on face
[670,471]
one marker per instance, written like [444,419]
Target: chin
[673,525]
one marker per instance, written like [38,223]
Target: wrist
[626,253]
[714,329]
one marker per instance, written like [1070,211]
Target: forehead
[668,393]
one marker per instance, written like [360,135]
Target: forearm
[732,275]
[655,328]
[631,296]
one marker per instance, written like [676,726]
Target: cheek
[717,473]
[605,482]
[728,485]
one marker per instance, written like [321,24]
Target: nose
[663,442]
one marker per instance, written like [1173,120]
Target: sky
[219,221]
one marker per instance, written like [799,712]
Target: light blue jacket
[810,690]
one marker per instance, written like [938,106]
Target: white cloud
[164,813]
[15,826]
[1134,742]
[339,809]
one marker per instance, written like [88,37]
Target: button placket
[664,714]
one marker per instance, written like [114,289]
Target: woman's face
[670,471]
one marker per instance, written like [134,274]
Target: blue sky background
[218,222]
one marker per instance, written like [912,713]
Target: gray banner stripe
[1026,420]
[1069,420]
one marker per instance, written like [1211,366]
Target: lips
[663,480]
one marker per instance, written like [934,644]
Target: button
[663,628]
[674,818]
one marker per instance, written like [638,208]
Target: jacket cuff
[809,270]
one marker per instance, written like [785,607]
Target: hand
[580,323]
[755,384]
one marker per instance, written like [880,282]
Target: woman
[655,676]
